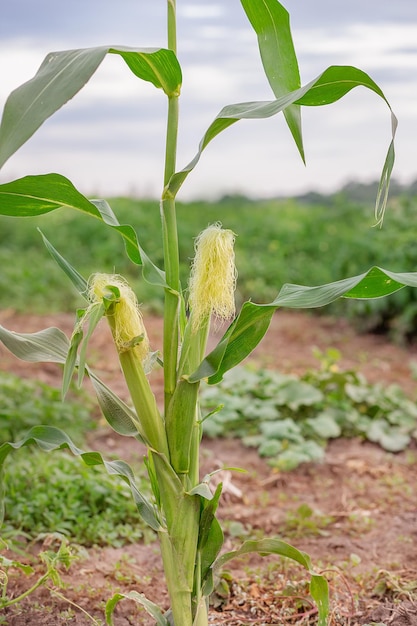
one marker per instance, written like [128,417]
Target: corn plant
[183,508]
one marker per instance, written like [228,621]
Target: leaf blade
[319,588]
[271,22]
[32,196]
[49,438]
[247,330]
[327,88]
[63,74]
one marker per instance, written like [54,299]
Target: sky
[109,140]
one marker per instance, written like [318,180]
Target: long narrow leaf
[117,413]
[150,607]
[318,587]
[75,277]
[247,330]
[49,438]
[271,22]
[48,346]
[52,345]
[36,195]
[63,74]
[328,87]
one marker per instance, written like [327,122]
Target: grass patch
[82,503]
[57,493]
[25,403]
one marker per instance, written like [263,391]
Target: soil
[361,522]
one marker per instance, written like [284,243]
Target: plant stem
[180,597]
[26,593]
[170,234]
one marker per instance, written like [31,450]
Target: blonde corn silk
[126,322]
[213,276]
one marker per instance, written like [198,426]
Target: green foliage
[82,503]
[290,419]
[279,241]
[190,537]
[25,403]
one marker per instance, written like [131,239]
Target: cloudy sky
[110,139]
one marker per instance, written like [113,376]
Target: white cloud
[200,12]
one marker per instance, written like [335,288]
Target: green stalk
[144,402]
[180,597]
[26,593]
[170,234]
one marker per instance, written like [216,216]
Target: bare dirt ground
[362,523]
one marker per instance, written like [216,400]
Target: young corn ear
[213,276]
[131,340]
[127,324]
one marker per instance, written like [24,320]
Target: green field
[313,240]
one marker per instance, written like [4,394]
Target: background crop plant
[182,509]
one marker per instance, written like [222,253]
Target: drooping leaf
[150,607]
[75,277]
[63,74]
[247,330]
[319,588]
[328,87]
[271,23]
[151,273]
[49,438]
[118,414]
[48,346]
[71,361]
[37,195]
[52,345]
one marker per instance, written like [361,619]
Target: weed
[25,403]
[84,504]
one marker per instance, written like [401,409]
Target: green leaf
[37,195]
[49,346]
[328,87]
[296,394]
[318,586]
[49,438]
[117,413]
[389,437]
[72,357]
[152,609]
[96,313]
[75,277]
[242,336]
[52,345]
[62,75]
[281,429]
[158,66]
[247,330]
[151,273]
[271,23]
[325,426]
[5,563]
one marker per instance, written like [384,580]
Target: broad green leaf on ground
[319,588]
[37,195]
[247,330]
[49,438]
[62,75]
[328,87]
[271,22]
